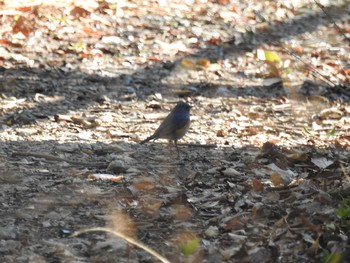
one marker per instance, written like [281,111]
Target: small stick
[193,145]
[332,20]
[198,145]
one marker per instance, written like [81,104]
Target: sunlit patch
[121,222]
[144,184]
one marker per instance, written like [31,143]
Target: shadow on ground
[166,199]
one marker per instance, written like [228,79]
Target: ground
[261,176]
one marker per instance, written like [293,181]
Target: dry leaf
[24,26]
[79,12]
[109,177]
[181,212]
[144,184]
[214,41]
[188,64]
[297,155]
[276,179]
[322,162]
[222,133]
[204,63]
[281,222]
[151,205]
[257,185]
[231,172]
[235,223]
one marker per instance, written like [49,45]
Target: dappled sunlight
[121,222]
[261,175]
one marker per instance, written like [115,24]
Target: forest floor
[261,176]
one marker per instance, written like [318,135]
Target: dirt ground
[261,176]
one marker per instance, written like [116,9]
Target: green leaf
[271,56]
[332,257]
[190,247]
[332,132]
[344,210]
[307,130]
[343,213]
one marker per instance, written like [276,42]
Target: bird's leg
[170,146]
[177,149]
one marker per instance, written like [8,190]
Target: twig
[58,159]
[332,20]
[122,236]
[198,145]
[310,67]
[192,145]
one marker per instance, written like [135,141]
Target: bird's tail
[149,138]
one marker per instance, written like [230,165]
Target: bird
[174,126]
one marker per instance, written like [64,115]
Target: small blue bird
[174,126]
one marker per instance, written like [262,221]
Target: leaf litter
[263,172]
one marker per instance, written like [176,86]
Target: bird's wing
[171,124]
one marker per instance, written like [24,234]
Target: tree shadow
[166,201]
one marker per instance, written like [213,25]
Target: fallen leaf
[23,25]
[231,172]
[322,162]
[188,64]
[190,246]
[276,179]
[204,63]
[144,184]
[281,222]
[267,55]
[235,223]
[257,185]
[79,12]
[109,177]
[214,41]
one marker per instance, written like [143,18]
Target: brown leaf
[144,184]
[24,26]
[188,63]
[79,12]
[314,228]
[214,41]
[235,223]
[7,42]
[222,133]
[295,155]
[181,212]
[276,179]
[151,205]
[281,222]
[204,63]
[257,185]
